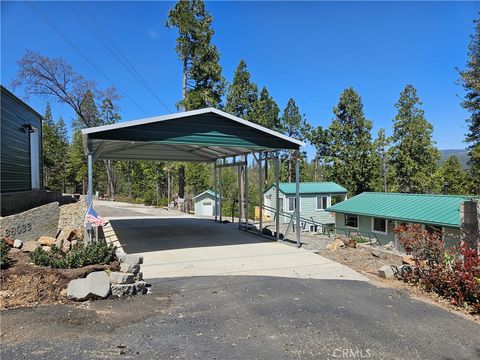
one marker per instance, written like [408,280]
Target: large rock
[33,223]
[95,286]
[140,287]
[46,240]
[121,277]
[337,243]
[133,259]
[123,289]
[30,246]
[387,272]
[127,268]
[18,244]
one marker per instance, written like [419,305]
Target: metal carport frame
[205,135]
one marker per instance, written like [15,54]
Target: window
[351,221]
[292,204]
[379,225]
[432,229]
[322,203]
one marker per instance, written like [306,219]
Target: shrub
[451,273]
[80,255]
[4,259]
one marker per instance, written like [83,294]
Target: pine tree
[413,154]
[265,111]
[381,144]
[203,84]
[349,150]
[294,125]
[470,80]
[452,175]
[242,93]
[77,164]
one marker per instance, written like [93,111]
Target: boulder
[127,268]
[133,259]
[337,243]
[9,241]
[18,244]
[379,254]
[63,235]
[139,276]
[350,243]
[387,272]
[140,287]
[409,260]
[46,240]
[14,250]
[95,286]
[123,289]
[29,246]
[121,277]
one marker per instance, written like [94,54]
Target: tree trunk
[181,182]
[289,167]
[111,181]
[129,179]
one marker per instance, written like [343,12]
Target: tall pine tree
[452,175]
[470,80]
[265,111]
[242,93]
[413,154]
[349,150]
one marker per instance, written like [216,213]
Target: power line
[123,59]
[85,57]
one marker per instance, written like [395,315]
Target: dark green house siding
[15,143]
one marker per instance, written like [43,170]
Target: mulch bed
[24,284]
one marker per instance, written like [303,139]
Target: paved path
[243,317]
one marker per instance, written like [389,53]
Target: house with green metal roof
[376,215]
[315,197]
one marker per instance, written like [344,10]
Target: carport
[205,135]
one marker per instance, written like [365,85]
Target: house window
[322,202]
[432,229]
[379,225]
[292,204]
[351,221]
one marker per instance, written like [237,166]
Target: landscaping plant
[98,252]
[453,273]
[4,259]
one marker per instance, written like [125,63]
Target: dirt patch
[72,215]
[24,284]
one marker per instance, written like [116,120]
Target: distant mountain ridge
[461,154]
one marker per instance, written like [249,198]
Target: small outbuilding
[206,203]
[315,198]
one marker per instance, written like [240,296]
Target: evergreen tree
[203,84]
[470,80]
[381,144]
[54,147]
[294,125]
[265,111]
[242,93]
[414,156]
[348,150]
[77,164]
[452,175]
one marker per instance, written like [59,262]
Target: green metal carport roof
[311,188]
[443,210]
[198,135]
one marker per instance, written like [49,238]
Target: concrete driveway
[182,246]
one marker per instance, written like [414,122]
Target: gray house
[21,145]
[205,204]
[315,198]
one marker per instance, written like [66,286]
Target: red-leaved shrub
[452,273]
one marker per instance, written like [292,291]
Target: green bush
[97,252]
[4,260]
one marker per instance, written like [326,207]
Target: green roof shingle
[313,188]
[441,210]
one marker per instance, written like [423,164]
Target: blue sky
[310,51]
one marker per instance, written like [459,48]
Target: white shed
[205,203]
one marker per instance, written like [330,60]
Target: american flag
[94,218]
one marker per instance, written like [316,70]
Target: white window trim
[351,227]
[328,204]
[288,203]
[378,231]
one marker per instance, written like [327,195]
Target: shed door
[35,158]
[207,208]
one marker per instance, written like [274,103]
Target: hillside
[461,154]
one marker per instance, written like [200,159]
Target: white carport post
[90,173]
[277,196]
[215,189]
[246,192]
[297,196]
[220,189]
[260,192]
